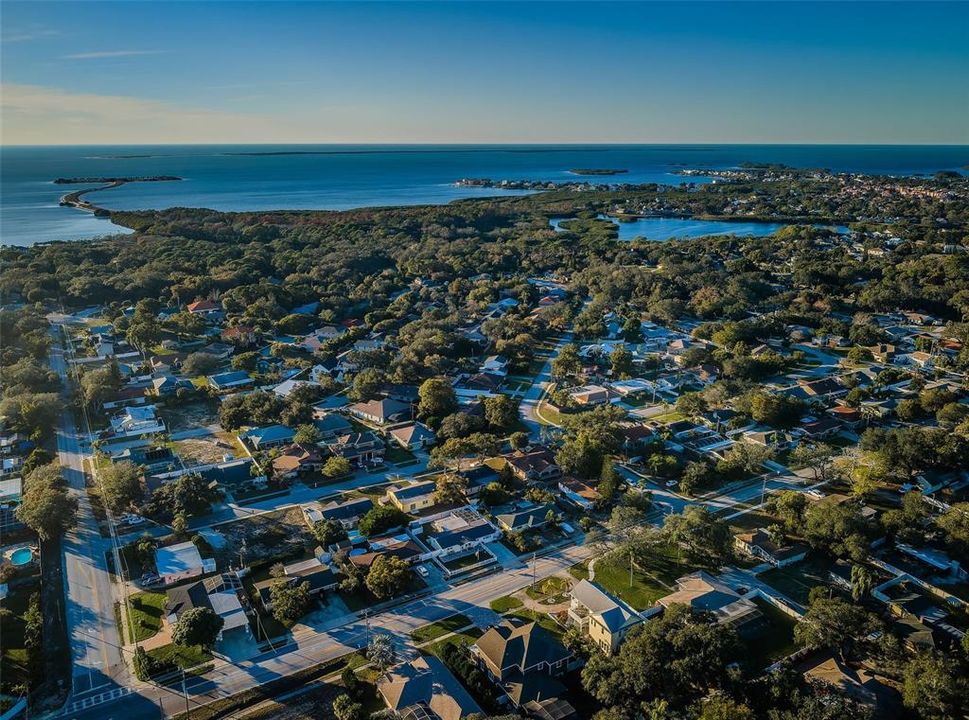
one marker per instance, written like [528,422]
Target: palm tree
[862,581]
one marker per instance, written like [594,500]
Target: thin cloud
[29,34]
[97,55]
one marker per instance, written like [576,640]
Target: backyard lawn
[775,641]
[396,454]
[796,581]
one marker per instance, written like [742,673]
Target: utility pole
[630,571]
[534,566]
[188,710]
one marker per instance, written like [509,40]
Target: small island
[118,180]
[597,171]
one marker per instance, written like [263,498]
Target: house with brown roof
[536,465]
[381,412]
[757,543]
[523,660]
[296,459]
[413,436]
[241,335]
[423,689]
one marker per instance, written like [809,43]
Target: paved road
[310,648]
[532,396]
[90,594]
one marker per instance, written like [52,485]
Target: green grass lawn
[796,581]
[543,619]
[774,642]
[396,454]
[14,661]
[145,611]
[465,637]
[612,573]
[438,629]
[183,657]
[551,590]
[580,571]
[505,603]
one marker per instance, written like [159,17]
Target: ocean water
[668,228]
[337,177]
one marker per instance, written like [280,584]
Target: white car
[133,519]
[672,483]
[422,571]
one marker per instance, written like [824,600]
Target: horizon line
[597,143]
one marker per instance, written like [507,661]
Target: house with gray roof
[605,619]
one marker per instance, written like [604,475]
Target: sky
[483,72]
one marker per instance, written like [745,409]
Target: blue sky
[128,72]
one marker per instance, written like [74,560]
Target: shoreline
[74,199]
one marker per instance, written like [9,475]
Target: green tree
[121,485]
[337,467]
[819,458]
[862,582]
[954,522]
[677,657]
[307,435]
[290,600]
[329,532]
[501,412]
[436,398]
[700,532]
[450,488]
[834,624]
[621,361]
[46,507]
[381,518]
[934,687]
[388,576]
[197,626]
[567,363]
[345,708]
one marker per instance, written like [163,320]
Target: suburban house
[296,459]
[860,685]
[518,520]
[400,546]
[230,381]
[589,395]
[423,689]
[11,495]
[10,466]
[702,592]
[219,593]
[359,448]
[381,412]
[203,307]
[241,335]
[604,618]
[824,427]
[757,543]
[534,466]
[318,576]
[457,532]
[578,493]
[523,660]
[478,479]
[268,437]
[495,365]
[413,436]
[181,562]
[331,425]
[137,422]
[411,498]
[347,512]
[169,385]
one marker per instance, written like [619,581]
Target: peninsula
[74,199]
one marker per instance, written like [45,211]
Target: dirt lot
[201,413]
[202,450]
[266,537]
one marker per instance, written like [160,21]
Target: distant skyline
[483,72]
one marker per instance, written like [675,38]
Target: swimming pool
[21,556]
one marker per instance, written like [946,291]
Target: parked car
[422,571]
